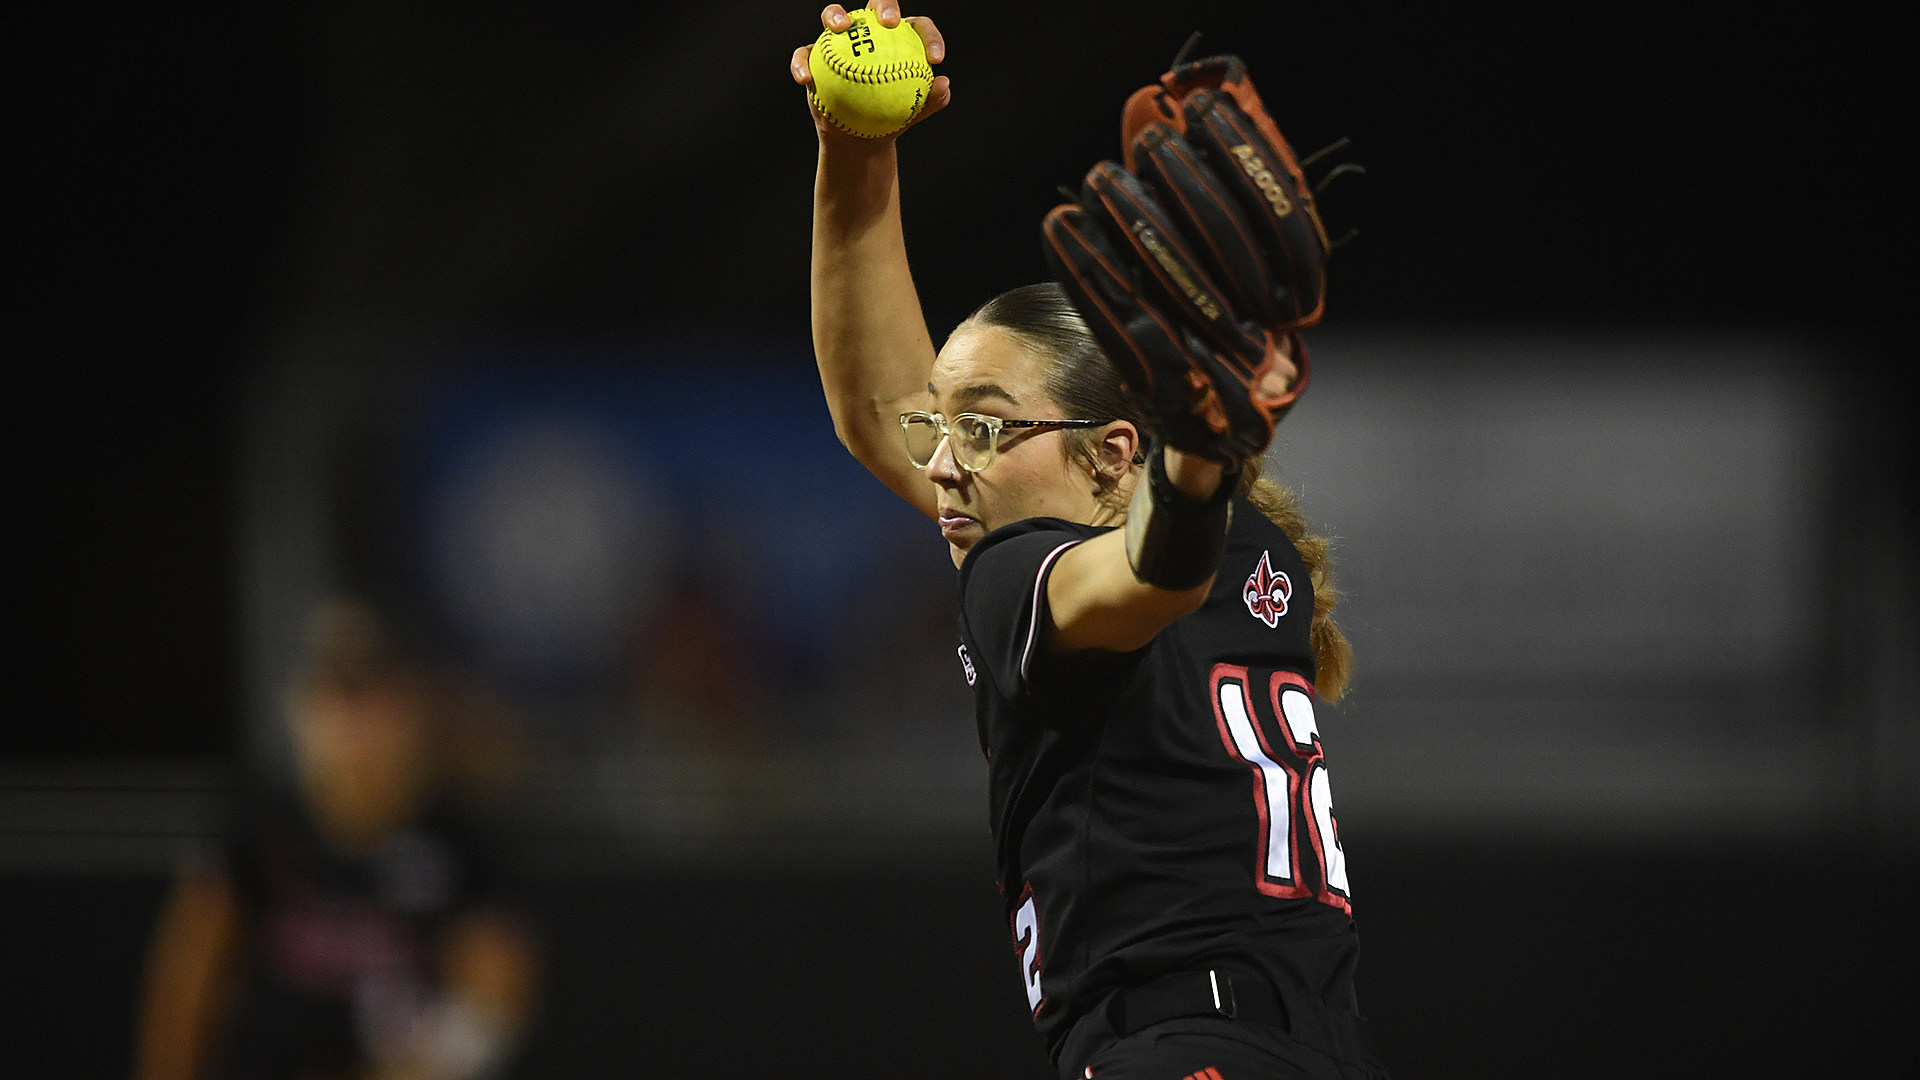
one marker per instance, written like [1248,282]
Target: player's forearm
[869,336]
[1094,598]
[1095,602]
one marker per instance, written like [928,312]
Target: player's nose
[942,469]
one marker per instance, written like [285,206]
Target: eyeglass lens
[923,437]
[972,441]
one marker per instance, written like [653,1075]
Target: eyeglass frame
[995,425]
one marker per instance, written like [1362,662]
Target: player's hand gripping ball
[870,80]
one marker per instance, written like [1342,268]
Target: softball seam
[884,73]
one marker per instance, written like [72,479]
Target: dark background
[193,189]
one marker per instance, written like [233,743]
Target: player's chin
[961,540]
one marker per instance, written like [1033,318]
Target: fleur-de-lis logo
[1267,592]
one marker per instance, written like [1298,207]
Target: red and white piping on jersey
[1033,623]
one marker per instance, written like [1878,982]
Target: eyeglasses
[975,438]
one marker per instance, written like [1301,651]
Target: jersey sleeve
[1003,596]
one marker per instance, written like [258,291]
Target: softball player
[1145,626]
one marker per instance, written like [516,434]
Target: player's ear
[1120,444]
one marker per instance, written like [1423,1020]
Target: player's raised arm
[869,336]
[1196,265]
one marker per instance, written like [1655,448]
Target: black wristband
[1175,541]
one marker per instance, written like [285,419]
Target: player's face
[987,370]
[363,758]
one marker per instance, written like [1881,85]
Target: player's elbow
[865,448]
[846,433]
[856,422]
[872,443]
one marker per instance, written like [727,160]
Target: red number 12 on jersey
[1271,728]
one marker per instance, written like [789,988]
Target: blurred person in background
[348,931]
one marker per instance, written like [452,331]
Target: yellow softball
[870,80]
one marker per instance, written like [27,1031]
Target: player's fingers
[888,11]
[930,35]
[798,66]
[1277,381]
[834,17]
[937,98]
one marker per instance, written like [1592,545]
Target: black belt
[1233,995]
[1195,993]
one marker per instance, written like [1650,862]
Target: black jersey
[1165,809]
[339,949]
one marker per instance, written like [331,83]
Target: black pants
[1214,1048]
